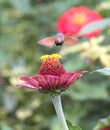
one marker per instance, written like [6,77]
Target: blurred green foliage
[22,24]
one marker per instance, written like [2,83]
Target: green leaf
[95,25]
[104,71]
[73,127]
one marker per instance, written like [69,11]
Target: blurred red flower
[74,19]
[105,128]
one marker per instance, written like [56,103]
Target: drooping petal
[69,78]
[74,76]
[46,81]
[63,80]
[29,80]
[53,81]
[42,81]
[28,86]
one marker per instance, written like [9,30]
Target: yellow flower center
[79,18]
[53,56]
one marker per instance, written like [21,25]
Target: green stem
[59,111]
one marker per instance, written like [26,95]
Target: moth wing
[70,40]
[48,41]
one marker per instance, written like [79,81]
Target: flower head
[52,76]
[74,19]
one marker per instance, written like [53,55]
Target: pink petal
[64,79]
[53,81]
[69,78]
[73,77]
[29,80]
[28,86]
[47,81]
[41,81]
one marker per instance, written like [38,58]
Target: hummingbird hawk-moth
[58,39]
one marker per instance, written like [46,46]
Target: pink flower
[52,76]
[74,19]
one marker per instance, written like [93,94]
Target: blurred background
[22,24]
